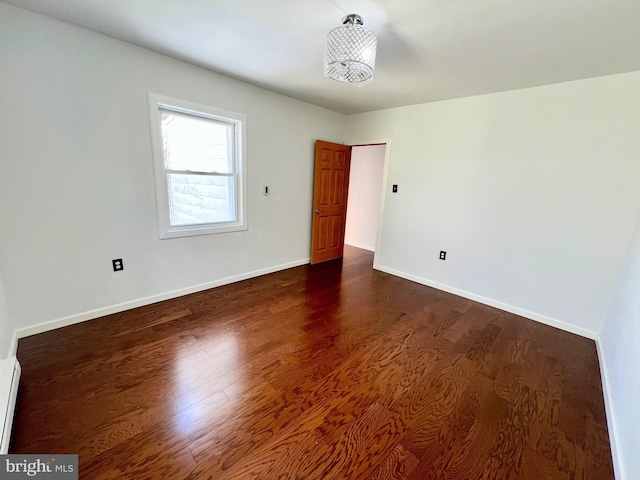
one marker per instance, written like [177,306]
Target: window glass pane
[198,199]
[197,144]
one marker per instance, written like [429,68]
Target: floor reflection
[199,378]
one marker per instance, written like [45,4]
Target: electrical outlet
[117,265]
[394,189]
[443,255]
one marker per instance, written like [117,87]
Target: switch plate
[443,255]
[394,189]
[265,189]
[117,265]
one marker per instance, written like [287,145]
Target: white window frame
[165,229]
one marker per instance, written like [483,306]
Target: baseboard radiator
[9,380]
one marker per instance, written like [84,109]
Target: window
[199,168]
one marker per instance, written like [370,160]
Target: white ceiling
[428,50]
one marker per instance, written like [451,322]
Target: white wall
[533,193]
[365,191]
[620,355]
[76,182]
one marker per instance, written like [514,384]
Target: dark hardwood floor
[332,371]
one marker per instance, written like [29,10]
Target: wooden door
[330,189]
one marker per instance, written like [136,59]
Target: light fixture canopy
[350,54]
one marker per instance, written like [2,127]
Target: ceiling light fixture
[350,55]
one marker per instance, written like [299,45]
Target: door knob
[318,211]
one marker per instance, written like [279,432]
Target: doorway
[333,192]
[365,196]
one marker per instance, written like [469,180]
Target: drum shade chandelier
[350,55]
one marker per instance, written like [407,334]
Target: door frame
[363,142]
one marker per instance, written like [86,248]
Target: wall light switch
[394,189]
[265,189]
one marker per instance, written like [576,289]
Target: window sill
[190,231]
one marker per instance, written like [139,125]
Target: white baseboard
[121,307]
[360,245]
[494,303]
[9,380]
[610,412]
